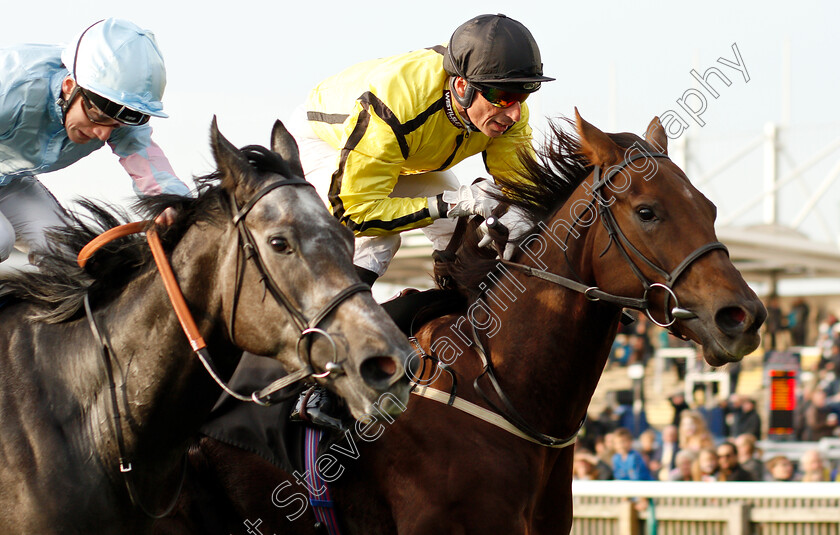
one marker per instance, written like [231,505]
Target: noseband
[628,251]
[247,245]
[593,293]
[623,244]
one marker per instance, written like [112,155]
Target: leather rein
[246,243]
[514,422]
[628,251]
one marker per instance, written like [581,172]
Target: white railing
[687,508]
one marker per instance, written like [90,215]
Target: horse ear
[655,136]
[597,146]
[284,144]
[232,165]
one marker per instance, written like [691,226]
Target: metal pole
[771,203]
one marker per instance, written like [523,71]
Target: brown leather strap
[174,291]
[169,282]
[109,236]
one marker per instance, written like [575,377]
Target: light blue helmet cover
[118,60]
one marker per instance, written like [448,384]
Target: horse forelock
[264,159]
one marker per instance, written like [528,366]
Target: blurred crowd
[689,452]
[719,442]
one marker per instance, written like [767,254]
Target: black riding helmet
[494,51]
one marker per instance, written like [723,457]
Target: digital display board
[782,401]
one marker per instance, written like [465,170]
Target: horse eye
[280,244]
[646,214]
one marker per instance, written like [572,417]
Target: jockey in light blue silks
[59,104]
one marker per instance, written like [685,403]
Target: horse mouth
[379,389]
[719,353]
[729,334]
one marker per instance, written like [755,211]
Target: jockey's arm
[145,162]
[147,165]
[367,174]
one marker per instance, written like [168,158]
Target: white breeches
[27,211]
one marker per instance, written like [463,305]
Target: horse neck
[563,347]
[165,392]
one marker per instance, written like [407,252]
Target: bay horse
[616,224]
[100,390]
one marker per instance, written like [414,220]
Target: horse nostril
[731,319]
[378,370]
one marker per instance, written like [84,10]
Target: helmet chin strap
[65,104]
[465,101]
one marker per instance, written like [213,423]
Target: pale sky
[620,63]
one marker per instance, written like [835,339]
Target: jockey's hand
[472,200]
[514,222]
[166,218]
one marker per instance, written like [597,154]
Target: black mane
[548,178]
[56,291]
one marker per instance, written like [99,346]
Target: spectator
[715,417]
[734,369]
[745,419]
[627,463]
[641,348]
[604,448]
[603,471]
[706,466]
[694,434]
[608,419]
[728,467]
[827,379]
[621,347]
[798,322]
[667,451]
[826,336]
[780,468]
[814,467]
[679,403]
[586,465]
[683,471]
[649,450]
[803,403]
[747,456]
[820,420]
[773,324]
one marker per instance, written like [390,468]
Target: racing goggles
[499,97]
[100,110]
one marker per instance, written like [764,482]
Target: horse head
[289,288]
[657,238]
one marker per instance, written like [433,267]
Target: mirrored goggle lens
[115,111]
[501,98]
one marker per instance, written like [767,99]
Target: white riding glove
[474,199]
[517,223]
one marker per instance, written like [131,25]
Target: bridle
[246,244]
[247,248]
[627,251]
[624,244]
[506,409]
